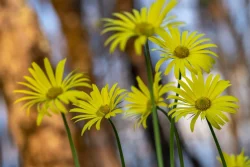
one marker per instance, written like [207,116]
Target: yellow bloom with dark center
[184,50]
[49,91]
[139,104]
[139,24]
[203,98]
[236,160]
[99,105]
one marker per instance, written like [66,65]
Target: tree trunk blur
[69,13]
[100,150]
[21,42]
[124,5]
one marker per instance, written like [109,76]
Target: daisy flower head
[99,105]
[49,91]
[139,104]
[139,24]
[236,160]
[184,50]
[203,98]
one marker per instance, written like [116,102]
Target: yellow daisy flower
[99,105]
[49,90]
[185,50]
[140,24]
[199,97]
[139,102]
[236,161]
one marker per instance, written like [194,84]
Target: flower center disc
[103,110]
[181,52]
[149,105]
[144,29]
[202,104]
[54,92]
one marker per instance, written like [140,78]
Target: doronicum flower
[203,98]
[99,105]
[236,161]
[49,91]
[139,102]
[184,50]
[139,24]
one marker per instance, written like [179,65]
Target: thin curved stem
[177,137]
[172,129]
[217,145]
[118,143]
[72,146]
[154,113]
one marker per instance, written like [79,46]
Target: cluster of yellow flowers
[183,51]
[236,161]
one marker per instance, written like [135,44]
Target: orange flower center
[149,105]
[181,52]
[54,92]
[202,104]
[103,110]
[144,29]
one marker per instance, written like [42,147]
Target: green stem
[154,113]
[177,137]
[72,146]
[172,129]
[217,145]
[118,143]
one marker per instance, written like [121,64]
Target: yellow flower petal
[49,91]
[141,23]
[139,105]
[187,50]
[100,104]
[202,98]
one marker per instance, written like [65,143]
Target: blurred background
[33,29]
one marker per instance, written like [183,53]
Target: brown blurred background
[33,29]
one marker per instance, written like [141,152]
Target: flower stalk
[72,146]
[154,113]
[217,144]
[177,137]
[172,130]
[118,143]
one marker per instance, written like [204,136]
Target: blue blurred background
[33,29]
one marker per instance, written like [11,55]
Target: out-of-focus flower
[49,91]
[236,160]
[139,102]
[184,50]
[203,98]
[99,105]
[139,24]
